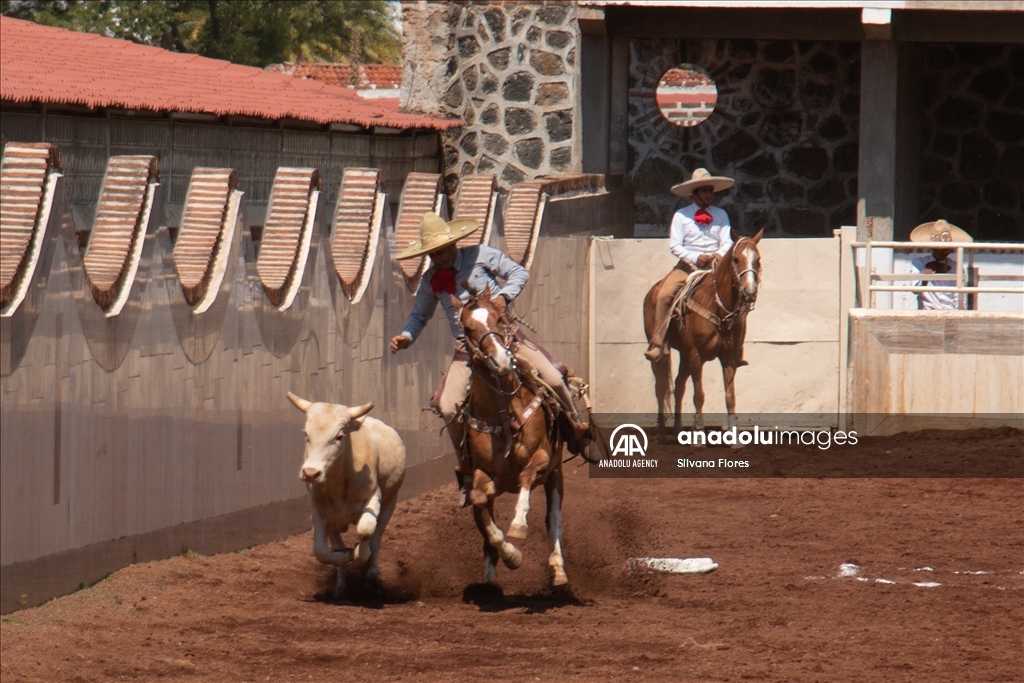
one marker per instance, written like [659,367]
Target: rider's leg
[447,402]
[554,379]
[673,282]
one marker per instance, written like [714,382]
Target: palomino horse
[513,439]
[713,324]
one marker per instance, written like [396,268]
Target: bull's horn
[357,412]
[300,403]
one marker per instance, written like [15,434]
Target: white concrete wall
[792,335]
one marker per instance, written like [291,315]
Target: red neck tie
[702,217]
[443,280]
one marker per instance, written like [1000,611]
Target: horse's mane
[703,294]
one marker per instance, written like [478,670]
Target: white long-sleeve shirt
[935,301]
[688,240]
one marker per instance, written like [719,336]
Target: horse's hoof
[560,579]
[515,560]
[518,531]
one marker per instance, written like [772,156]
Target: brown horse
[513,436]
[713,324]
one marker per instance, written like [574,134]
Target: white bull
[354,466]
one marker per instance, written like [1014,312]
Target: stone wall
[785,126]
[509,71]
[972,170]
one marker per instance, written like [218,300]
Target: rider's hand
[399,342]
[704,260]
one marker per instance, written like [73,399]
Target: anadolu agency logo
[628,444]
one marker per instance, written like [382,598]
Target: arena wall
[134,437]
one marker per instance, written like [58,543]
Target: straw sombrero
[701,178]
[436,233]
[939,231]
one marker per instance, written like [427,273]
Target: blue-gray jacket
[481,265]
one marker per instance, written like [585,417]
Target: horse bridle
[505,341]
[729,315]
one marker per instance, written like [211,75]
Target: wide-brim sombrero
[939,231]
[701,178]
[436,233]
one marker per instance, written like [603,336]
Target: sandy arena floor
[779,608]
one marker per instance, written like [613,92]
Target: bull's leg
[539,462]
[553,494]
[367,526]
[388,509]
[322,550]
[483,512]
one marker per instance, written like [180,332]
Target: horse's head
[746,266]
[487,333]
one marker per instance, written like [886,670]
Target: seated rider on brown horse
[699,237]
[451,269]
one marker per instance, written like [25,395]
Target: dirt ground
[779,608]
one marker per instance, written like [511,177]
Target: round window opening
[686,95]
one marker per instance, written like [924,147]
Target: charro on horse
[516,429]
[709,320]
[701,315]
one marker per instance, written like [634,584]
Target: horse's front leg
[697,373]
[729,378]
[662,369]
[482,497]
[553,494]
[680,391]
[538,463]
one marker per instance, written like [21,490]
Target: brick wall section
[118,223]
[202,228]
[23,175]
[509,70]
[785,126]
[972,170]
[286,215]
[353,221]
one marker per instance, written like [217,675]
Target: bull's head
[327,427]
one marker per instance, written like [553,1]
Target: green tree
[255,32]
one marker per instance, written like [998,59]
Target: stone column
[890,131]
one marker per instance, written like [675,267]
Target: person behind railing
[940,261]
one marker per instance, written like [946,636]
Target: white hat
[435,233]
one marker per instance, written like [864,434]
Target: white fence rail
[967,279]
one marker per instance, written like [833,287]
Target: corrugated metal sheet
[23,175]
[420,196]
[46,64]
[353,225]
[201,226]
[116,228]
[477,195]
[286,216]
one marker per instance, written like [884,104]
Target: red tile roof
[368,76]
[381,76]
[53,65]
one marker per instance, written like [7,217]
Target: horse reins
[509,423]
[729,316]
